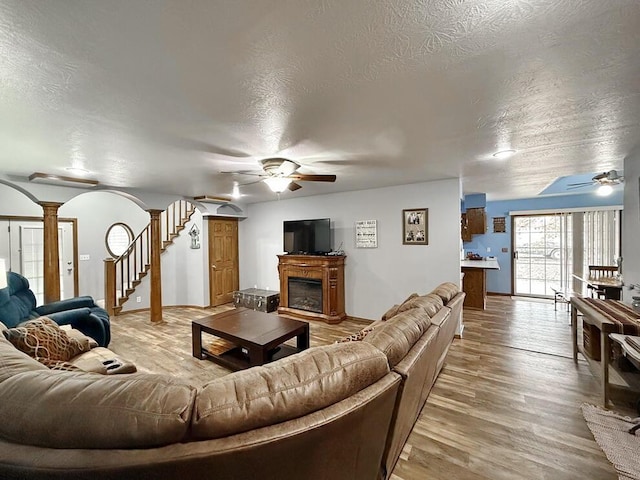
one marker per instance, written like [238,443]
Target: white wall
[185,274]
[631,224]
[96,212]
[377,278]
[12,202]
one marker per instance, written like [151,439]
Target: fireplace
[312,287]
[305,294]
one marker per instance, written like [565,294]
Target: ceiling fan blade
[244,172]
[580,184]
[312,178]
[293,186]
[225,152]
[249,183]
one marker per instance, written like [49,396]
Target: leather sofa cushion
[446,291]
[102,360]
[83,410]
[16,301]
[286,389]
[430,303]
[396,336]
[13,361]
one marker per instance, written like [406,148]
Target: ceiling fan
[281,174]
[605,180]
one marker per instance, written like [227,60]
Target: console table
[327,271]
[601,318]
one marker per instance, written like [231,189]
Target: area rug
[611,433]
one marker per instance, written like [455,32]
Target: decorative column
[156,275]
[51,252]
[110,285]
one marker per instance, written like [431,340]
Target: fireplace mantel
[329,269]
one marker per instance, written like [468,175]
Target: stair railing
[124,273]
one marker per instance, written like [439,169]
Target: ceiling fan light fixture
[235,192]
[502,154]
[277,184]
[604,190]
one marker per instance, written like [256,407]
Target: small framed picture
[415,229]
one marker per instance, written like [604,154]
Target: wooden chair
[597,272]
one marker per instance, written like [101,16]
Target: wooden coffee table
[258,337]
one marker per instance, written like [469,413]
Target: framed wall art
[366,234]
[415,226]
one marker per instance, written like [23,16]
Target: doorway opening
[23,247]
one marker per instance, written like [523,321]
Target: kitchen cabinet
[476,221]
[464,228]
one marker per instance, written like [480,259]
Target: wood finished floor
[505,406]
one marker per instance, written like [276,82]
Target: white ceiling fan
[605,181]
[281,174]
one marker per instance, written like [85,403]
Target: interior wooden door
[223,260]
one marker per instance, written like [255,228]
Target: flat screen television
[307,237]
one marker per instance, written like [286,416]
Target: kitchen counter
[474,283]
[490,264]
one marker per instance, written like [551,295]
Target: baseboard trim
[359,319]
[209,307]
[138,310]
[498,294]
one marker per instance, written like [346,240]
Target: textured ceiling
[163,95]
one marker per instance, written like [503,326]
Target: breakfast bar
[474,282]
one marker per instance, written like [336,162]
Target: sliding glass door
[540,253]
[551,250]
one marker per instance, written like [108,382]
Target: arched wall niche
[95,212]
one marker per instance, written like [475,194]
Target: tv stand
[326,269]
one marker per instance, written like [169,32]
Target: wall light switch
[85,257]
[505,250]
[488,249]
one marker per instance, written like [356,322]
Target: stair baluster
[128,270]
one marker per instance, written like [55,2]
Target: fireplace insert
[305,294]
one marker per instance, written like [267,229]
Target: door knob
[214,267]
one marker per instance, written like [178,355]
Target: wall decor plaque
[367,234]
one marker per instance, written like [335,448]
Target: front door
[23,248]
[223,260]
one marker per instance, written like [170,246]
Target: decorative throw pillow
[81,337]
[59,365]
[359,336]
[393,311]
[43,338]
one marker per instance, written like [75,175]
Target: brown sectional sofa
[340,411]
[416,339]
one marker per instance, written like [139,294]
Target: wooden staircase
[125,273]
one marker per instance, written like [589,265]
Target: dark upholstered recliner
[18,304]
